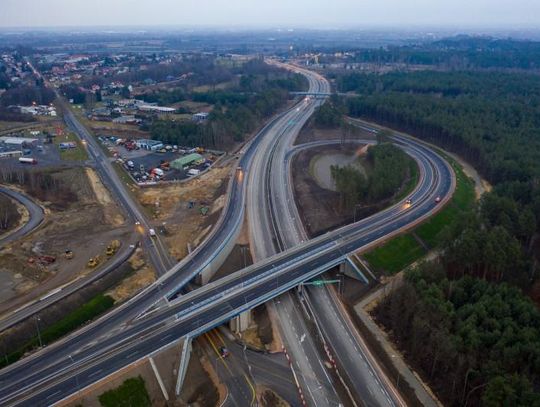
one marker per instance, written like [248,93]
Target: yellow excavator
[112,248]
[93,262]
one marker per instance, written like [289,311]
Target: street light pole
[36,319]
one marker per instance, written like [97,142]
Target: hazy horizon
[238,14]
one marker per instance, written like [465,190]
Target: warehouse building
[187,160]
[19,141]
[152,145]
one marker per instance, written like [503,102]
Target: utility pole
[37,319]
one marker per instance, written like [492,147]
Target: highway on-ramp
[217,302]
[35,213]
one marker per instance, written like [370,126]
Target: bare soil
[83,226]
[269,398]
[169,208]
[142,277]
[320,208]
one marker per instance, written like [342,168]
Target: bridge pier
[241,322]
[184,362]
[350,269]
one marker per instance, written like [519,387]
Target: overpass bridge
[314,94]
[219,301]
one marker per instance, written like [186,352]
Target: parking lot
[45,155]
[152,166]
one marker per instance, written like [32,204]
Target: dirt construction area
[185,213]
[79,216]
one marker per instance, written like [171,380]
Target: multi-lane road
[35,213]
[217,302]
[111,343]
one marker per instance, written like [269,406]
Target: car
[408,202]
[152,232]
[438,199]
[224,351]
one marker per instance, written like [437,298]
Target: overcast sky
[268,13]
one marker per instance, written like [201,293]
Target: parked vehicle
[27,160]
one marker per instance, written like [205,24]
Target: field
[403,250]
[72,154]
[396,254]
[131,393]
[78,317]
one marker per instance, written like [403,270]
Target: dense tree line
[164,97]
[464,323]
[9,216]
[388,168]
[237,111]
[328,115]
[478,343]
[460,52]
[491,120]
[41,185]
[229,122]
[26,95]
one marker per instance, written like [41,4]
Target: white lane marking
[54,394]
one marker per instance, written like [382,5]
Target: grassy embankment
[72,154]
[131,393]
[401,251]
[86,312]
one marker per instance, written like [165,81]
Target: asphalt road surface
[35,212]
[103,347]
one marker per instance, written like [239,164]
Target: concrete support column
[349,268]
[184,362]
[241,322]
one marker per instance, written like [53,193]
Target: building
[126,119]
[8,154]
[200,117]
[152,145]
[156,109]
[19,141]
[187,160]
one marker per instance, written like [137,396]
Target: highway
[110,343]
[35,213]
[317,386]
[339,333]
[219,301]
[178,276]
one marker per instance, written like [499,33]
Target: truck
[194,171]
[27,160]
[158,171]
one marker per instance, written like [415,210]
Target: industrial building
[187,160]
[151,145]
[156,109]
[19,141]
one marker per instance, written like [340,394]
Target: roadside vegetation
[404,250]
[72,154]
[9,216]
[41,184]
[78,317]
[131,393]
[237,111]
[387,168]
[465,322]
[476,342]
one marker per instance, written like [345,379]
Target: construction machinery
[93,262]
[112,247]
